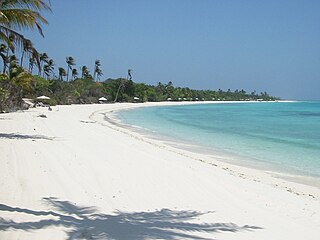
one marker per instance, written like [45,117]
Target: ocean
[280,136]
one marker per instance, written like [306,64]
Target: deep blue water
[283,135]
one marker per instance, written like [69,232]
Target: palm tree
[74,73]
[30,51]
[99,73]
[122,83]
[84,72]
[16,81]
[20,14]
[27,48]
[43,58]
[129,76]
[70,63]
[62,73]
[32,62]
[97,66]
[7,49]
[3,53]
[48,68]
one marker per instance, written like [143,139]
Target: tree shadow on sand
[24,136]
[88,223]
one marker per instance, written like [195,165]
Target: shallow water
[282,135]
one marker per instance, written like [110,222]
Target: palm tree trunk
[6,61]
[68,73]
[21,61]
[4,66]
[120,85]
[40,68]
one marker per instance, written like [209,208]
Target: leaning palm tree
[32,62]
[16,15]
[43,58]
[74,73]
[3,53]
[129,76]
[97,66]
[122,83]
[27,48]
[99,74]
[70,63]
[9,47]
[84,72]
[48,68]
[62,73]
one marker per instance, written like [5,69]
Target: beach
[77,174]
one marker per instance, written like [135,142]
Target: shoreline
[293,177]
[74,174]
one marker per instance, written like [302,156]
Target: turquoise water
[283,135]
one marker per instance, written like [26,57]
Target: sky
[271,45]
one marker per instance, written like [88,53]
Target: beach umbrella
[102,99]
[136,98]
[43,98]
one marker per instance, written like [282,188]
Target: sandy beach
[74,175]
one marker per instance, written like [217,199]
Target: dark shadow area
[87,223]
[24,136]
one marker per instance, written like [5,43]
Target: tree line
[26,73]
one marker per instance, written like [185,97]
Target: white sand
[73,175]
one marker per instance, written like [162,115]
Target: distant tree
[27,45]
[62,73]
[12,86]
[129,76]
[27,49]
[74,73]
[121,84]
[99,74]
[48,68]
[97,69]
[3,53]
[84,72]
[32,62]
[43,58]
[70,62]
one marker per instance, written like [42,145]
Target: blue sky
[271,46]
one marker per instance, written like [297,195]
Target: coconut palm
[62,73]
[27,48]
[16,15]
[99,73]
[48,68]
[121,84]
[97,69]
[32,62]
[9,47]
[74,73]
[3,53]
[70,63]
[16,81]
[129,76]
[84,72]
[43,58]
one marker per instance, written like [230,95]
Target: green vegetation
[36,77]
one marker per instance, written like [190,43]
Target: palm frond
[38,5]
[22,19]
[11,37]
